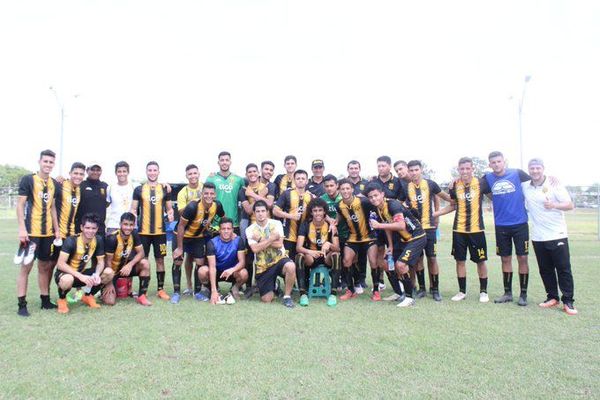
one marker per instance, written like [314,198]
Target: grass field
[356,350]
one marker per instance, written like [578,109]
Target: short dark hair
[224,153]
[127,216]
[345,181]
[353,162]
[465,160]
[330,177]
[316,203]
[267,162]
[415,163]
[290,157]
[152,163]
[259,203]
[300,172]
[251,165]
[495,154]
[48,153]
[121,164]
[209,185]
[90,217]
[225,220]
[400,162]
[77,165]
[191,166]
[371,187]
[385,159]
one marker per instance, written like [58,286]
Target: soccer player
[315,184]
[119,197]
[194,230]
[291,207]
[401,168]
[423,197]
[67,201]
[546,205]
[392,188]
[225,255]
[93,197]
[510,219]
[354,212]
[71,270]
[317,245]
[405,236]
[38,228]
[191,191]
[125,256]
[468,229]
[228,187]
[286,181]
[266,173]
[265,238]
[150,203]
[358,183]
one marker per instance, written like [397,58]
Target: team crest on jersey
[102,192]
[503,187]
[391,186]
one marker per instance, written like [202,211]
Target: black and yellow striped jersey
[188,194]
[260,189]
[315,237]
[81,253]
[421,197]
[200,217]
[293,202]
[391,208]
[40,196]
[469,211]
[152,202]
[121,248]
[356,217]
[67,201]
[282,183]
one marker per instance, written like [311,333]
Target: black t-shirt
[93,200]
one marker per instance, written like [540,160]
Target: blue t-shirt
[507,196]
[225,252]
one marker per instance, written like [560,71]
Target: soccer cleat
[421,293]
[522,300]
[304,300]
[459,296]
[288,302]
[175,298]
[381,286]
[348,295]
[22,311]
[332,300]
[143,300]
[90,301]
[49,306]
[376,296]
[188,292]
[505,298]
[29,253]
[358,289]
[63,308]
[569,308]
[483,297]
[161,294]
[229,299]
[363,284]
[407,302]
[392,297]
[18,259]
[436,295]
[549,303]
[201,297]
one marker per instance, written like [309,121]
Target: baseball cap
[536,161]
[317,163]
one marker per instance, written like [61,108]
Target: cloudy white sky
[178,81]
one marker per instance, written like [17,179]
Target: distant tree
[10,175]
[480,166]
[428,172]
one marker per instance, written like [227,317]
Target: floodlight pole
[527,79]
[61,106]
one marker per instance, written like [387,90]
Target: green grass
[357,350]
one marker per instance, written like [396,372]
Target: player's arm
[139,256]
[446,210]
[178,252]
[212,276]
[335,243]
[444,196]
[54,216]
[396,225]
[134,206]
[23,234]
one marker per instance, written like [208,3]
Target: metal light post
[527,79]
[61,106]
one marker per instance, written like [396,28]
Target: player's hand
[170,215]
[167,187]
[23,236]
[126,270]
[178,252]
[296,217]
[60,179]
[214,297]
[549,205]
[256,237]
[227,273]
[96,279]
[375,224]
[88,280]
[250,193]
[274,237]
[326,247]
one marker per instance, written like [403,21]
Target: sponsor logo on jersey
[503,187]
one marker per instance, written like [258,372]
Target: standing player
[510,218]
[93,197]
[194,230]
[38,227]
[228,187]
[150,203]
[315,184]
[423,197]
[286,181]
[468,229]
[358,184]
[67,201]
[401,168]
[266,173]
[119,197]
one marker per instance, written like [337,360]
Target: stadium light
[527,79]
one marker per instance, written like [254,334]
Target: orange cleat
[161,294]
[348,295]
[143,300]
[90,301]
[63,308]
[549,303]
[569,308]
[376,296]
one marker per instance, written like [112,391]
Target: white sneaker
[407,302]
[392,297]
[358,289]
[381,286]
[229,299]
[459,296]
[29,253]
[483,297]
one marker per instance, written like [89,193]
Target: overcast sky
[179,81]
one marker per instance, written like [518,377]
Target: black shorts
[410,252]
[381,238]
[361,249]
[44,249]
[506,235]
[290,247]
[158,243]
[76,283]
[475,242]
[195,247]
[431,247]
[266,280]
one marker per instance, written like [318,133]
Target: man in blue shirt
[510,218]
[226,261]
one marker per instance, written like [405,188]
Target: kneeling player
[226,256]
[74,256]
[317,245]
[125,255]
